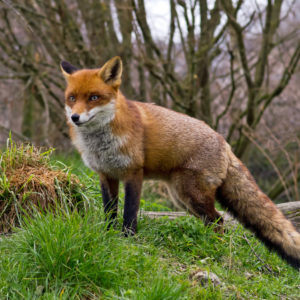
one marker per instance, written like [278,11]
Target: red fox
[129,141]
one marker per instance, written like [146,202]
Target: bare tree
[221,62]
[190,91]
[258,98]
[36,35]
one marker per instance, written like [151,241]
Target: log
[291,210]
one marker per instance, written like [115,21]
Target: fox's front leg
[110,197]
[133,187]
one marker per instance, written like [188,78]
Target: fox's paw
[128,231]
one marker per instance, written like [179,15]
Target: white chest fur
[100,149]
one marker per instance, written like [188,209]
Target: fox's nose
[75,118]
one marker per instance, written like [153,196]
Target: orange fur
[195,161]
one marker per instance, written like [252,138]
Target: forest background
[233,64]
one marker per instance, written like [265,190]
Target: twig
[270,161]
[47,112]
[265,265]
[233,88]
[19,135]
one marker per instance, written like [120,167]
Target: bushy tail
[241,195]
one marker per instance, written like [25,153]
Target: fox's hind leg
[198,197]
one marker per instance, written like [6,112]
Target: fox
[129,141]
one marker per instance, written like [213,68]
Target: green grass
[72,255]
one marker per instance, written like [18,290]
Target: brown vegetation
[29,182]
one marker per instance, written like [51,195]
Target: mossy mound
[28,181]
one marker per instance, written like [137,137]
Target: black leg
[133,187]
[110,194]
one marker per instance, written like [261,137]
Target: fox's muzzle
[75,118]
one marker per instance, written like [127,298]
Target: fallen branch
[291,210]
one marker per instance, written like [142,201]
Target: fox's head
[91,94]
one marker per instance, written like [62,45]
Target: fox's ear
[111,72]
[67,69]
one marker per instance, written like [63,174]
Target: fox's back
[174,140]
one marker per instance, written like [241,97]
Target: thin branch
[19,135]
[284,184]
[265,265]
[232,92]
[285,79]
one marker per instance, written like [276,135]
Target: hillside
[72,255]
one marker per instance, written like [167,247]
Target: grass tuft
[28,180]
[71,254]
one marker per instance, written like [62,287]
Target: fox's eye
[72,98]
[94,98]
